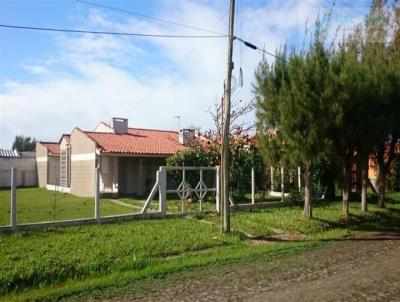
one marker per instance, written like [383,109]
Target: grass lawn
[173,206]
[327,218]
[38,204]
[75,262]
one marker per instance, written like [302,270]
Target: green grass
[113,283]
[42,257]
[37,204]
[327,218]
[173,206]
[81,261]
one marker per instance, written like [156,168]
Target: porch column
[272,178]
[141,182]
[115,176]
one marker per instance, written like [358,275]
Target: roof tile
[53,148]
[138,141]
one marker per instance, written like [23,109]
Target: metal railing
[183,190]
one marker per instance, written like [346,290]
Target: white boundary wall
[160,186]
[26,171]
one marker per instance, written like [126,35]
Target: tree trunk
[381,186]
[346,186]
[359,179]
[307,213]
[384,160]
[364,185]
[371,186]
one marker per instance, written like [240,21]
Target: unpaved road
[365,269]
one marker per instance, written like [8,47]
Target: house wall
[109,174]
[65,180]
[41,162]
[372,169]
[53,170]
[102,127]
[137,175]
[83,164]
[26,171]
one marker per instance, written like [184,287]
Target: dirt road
[366,269]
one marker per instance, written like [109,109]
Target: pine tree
[293,112]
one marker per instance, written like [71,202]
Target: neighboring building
[48,163]
[25,164]
[373,164]
[128,158]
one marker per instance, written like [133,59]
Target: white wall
[26,171]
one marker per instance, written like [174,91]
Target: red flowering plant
[244,154]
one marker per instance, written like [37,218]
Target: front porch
[128,175]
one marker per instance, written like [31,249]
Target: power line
[252,46]
[80,31]
[333,6]
[148,17]
[352,8]
[175,68]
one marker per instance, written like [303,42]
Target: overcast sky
[53,82]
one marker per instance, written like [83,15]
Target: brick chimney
[120,125]
[187,136]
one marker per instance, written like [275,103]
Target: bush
[243,153]
[295,194]
[394,175]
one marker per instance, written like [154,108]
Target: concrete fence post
[218,189]
[97,194]
[163,191]
[299,178]
[201,191]
[272,178]
[184,191]
[13,211]
[282,184]
[253,186]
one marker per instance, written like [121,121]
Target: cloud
[92,78]
[36,69]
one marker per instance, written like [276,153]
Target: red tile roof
[67,138]
[138,141]
[53,148]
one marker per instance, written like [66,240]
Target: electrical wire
[352,8]
[175,68]
[148,17]
[81,31]
[334,5]
[252,46]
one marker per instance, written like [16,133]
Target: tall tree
[293,108]
[366,99]
[382,51]
[22,143]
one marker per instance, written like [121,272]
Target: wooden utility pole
[226,123]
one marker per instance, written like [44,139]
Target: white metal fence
[183,190]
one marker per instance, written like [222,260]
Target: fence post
[162,191]
[184,191]
[272,178]
[13,212]
[97,194]
[201,190]
[282,184]
[217,186]
[253,186]
[299,178]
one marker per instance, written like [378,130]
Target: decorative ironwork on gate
[184,189]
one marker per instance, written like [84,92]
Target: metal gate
[183,190]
